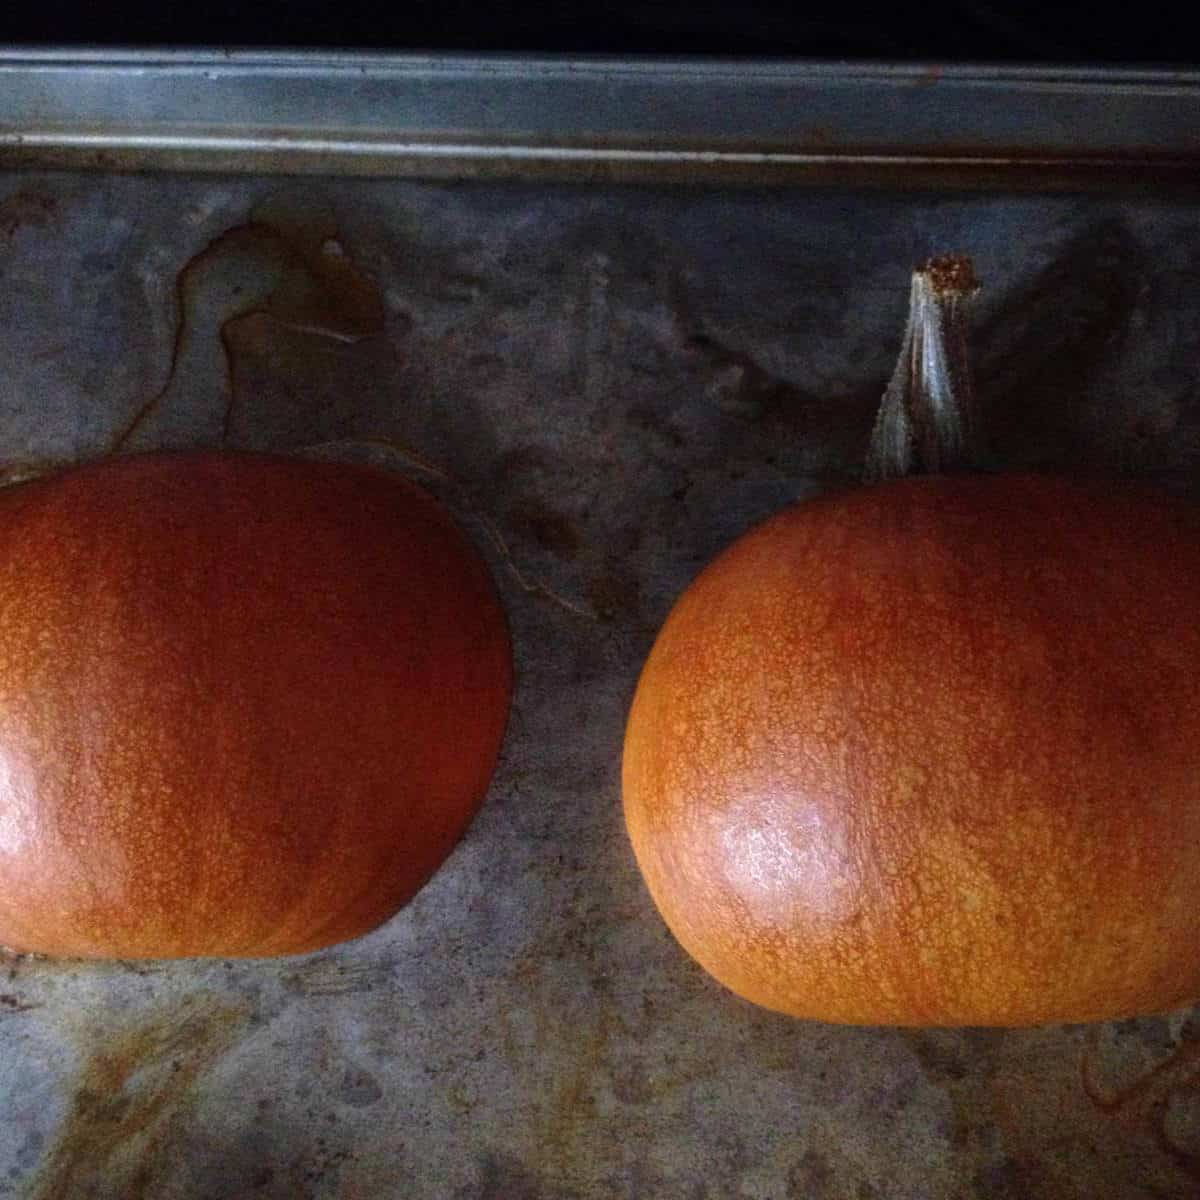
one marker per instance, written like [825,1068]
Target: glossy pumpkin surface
[247,704]
[928,753]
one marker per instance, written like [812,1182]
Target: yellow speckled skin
[247,704]
[928,753]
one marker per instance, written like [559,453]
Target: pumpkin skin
[928,753]
[247,704]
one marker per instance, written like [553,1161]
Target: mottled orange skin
[247,704]
[928,753]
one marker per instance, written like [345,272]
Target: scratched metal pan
[606,383]
[543,118]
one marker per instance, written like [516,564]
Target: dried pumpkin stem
[926,421]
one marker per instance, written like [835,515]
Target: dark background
[953,30]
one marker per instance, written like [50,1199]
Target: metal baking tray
[606,383]
[594,119]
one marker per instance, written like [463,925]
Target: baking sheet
[607,385]
[598,119]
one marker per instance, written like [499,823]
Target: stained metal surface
[607,385]
[512,117]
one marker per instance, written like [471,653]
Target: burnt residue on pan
[279,286]
[134,1089]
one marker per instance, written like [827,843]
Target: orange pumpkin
[928,753]
[247,704]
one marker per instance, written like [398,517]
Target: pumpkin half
[928,753]
[247,704]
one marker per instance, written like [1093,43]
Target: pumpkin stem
[926,421]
